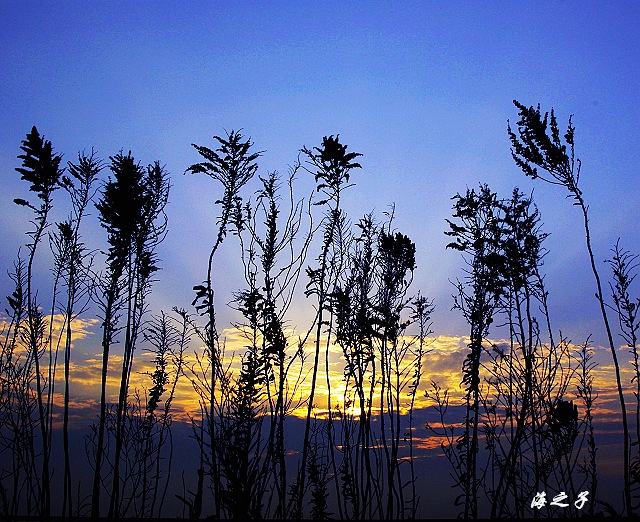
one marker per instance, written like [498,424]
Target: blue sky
[422,89]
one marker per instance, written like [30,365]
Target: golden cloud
[441,364]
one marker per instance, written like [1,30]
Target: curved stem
[603,309]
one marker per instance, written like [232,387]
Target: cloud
[441,365]
[56,324]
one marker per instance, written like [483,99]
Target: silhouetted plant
[382,371]
[241,447]
[331,166]
[561,425]
[41,168]
[233,165]
[480,236]
[132,211]
[73,263]
[153,191]
[396,258]
[168,344]
[130,429]
[534,148]
[319,474]
[145,424]
[273,262]
[351,303]
[31,334]
[624,266]
[586,394]
[523,384]
[517,391]
[178,358]
[18,404]
[109,298]
[421,309]
[521,247]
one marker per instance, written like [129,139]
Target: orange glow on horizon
[441,364]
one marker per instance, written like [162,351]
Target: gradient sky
[422,89]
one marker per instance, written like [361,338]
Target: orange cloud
[441,364]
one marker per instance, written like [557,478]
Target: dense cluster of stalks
[527,398]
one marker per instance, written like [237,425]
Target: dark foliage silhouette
[331,166]
[624,268]
[480,236]
[131,209]
[41,168]
[232,165]
[74,265]
[382,372]
[517,399]
[538,145]
[318,420]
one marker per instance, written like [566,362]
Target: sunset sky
[423,90]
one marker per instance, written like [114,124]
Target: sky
[423,90]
